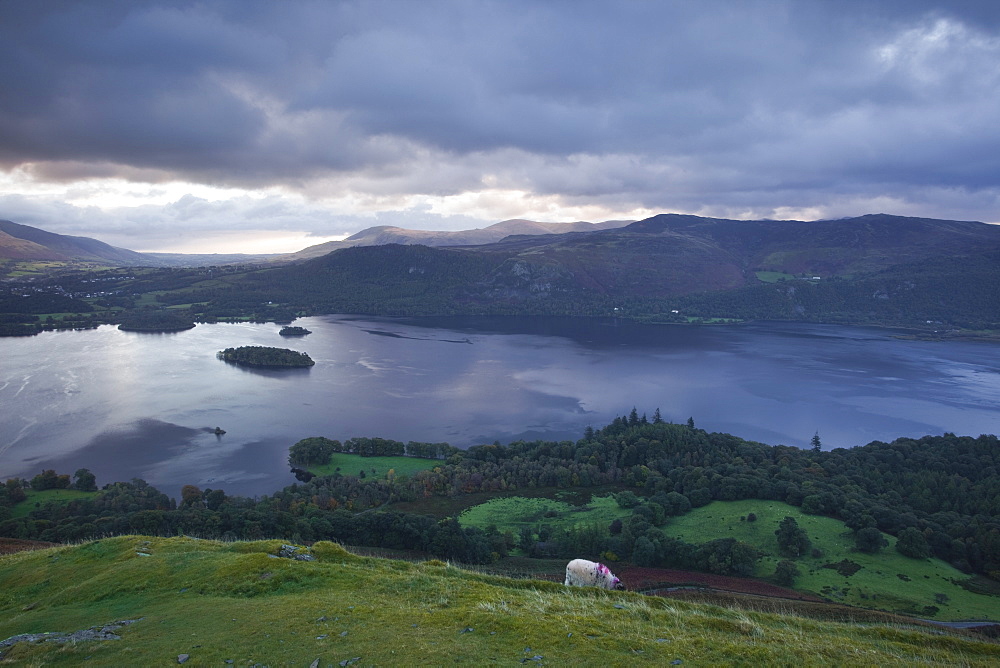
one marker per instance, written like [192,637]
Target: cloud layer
[152,121]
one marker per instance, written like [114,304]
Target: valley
[898,513]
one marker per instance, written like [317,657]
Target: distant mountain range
[673,254]
[384,234]
[25,243]
[877,268]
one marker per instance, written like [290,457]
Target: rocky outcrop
[293,552]
[106,632]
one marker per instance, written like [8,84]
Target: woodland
[939,495]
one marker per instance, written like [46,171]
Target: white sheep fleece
[584,573]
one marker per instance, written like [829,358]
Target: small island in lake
[263,356]
[294,331]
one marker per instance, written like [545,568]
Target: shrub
[785,573]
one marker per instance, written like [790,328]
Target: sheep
[583,573]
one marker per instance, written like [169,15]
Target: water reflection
[130,405]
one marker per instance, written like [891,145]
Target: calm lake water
[144,405]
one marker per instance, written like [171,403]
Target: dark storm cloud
[747,106]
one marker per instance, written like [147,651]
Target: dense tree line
[940,495]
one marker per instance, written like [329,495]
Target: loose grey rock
[343,634]
[314,664]
[322,637]
[105,632]
[467,629]
[181,658]
[292,552]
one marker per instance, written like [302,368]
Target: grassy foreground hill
[240,604]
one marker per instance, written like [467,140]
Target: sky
[264,126]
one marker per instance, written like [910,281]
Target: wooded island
[264,356]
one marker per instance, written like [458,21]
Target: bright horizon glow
[247,243]
[112,210]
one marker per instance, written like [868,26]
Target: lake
[130,405]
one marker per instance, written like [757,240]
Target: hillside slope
[672,254]
[210,602]
[42,245]
[14,248]
[887,270]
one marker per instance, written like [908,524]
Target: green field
[512,513]
[37,498]
[378,467]
[772,276]
[234,603]
[886,580]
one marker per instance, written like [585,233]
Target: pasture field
[886,580]
[41,497]
[211,603]
[772,276]
[514,512]
[378,467]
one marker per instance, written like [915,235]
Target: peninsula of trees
[156,321]
[266,357]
